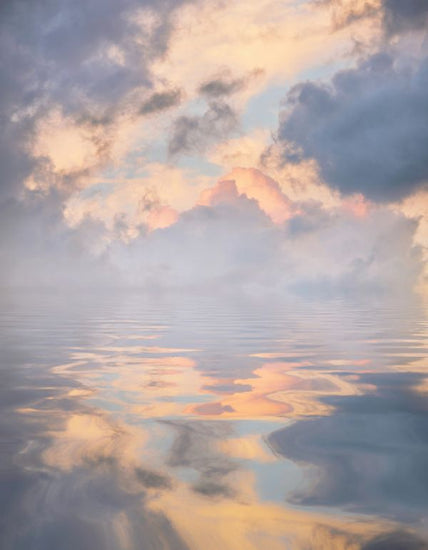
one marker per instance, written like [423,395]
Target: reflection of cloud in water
[371,455]
[85,485]
[128,446]
[235,524]
[280,389]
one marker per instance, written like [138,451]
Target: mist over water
[133,422]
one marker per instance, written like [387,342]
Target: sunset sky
[269,145]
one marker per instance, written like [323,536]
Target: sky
[270,146]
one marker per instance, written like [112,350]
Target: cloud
[124,210]
[224,84]
[126,206]
[397,540]
[254,185]
[245,237]
[195,133]
[405,16]
[78,91]
[367,129]
[231,244]
[394,16]
[281,38]
[347,12]
[160,101]
[81,66]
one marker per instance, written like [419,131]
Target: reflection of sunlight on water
[161,432]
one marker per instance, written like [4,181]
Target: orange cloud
[255,185]
[357,205]
[161,217]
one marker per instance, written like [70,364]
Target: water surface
[134,422]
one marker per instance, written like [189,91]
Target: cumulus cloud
[231,242]
[367,129]
[253,184]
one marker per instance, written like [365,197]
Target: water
[134,422]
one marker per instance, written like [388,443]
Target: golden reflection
[148,380]
[281,389]
[250,524]
[233,518]
[202,475]
[90,439]
[142,379]
[250,447]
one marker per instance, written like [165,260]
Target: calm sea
[134,422]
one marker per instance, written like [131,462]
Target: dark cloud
[219,87]
[213,489]
[224,84]
[161,101]
[402,16]
[195,133]
[398,540]
[397,16]
[152,480]
[368,129]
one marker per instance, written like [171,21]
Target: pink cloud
[357,205]
[223,191]
[255,185]
[161,217]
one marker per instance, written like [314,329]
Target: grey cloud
[397,16]
[401,16]
[195,133]
[397,540]
[213,489]
[152,480]
[368,129]
[220,87]
[37,248]
[161,101]
[224,84]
